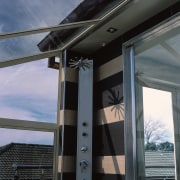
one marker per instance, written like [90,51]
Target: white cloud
[13,113]
[44,13]
[29,89]
[33,78]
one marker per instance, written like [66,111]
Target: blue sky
[28,91]
[19,15]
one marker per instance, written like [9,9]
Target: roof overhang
[122,19]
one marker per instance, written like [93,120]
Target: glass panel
[29,92]
[158,116]
[26,154]
[20,46]
[157,83]
[158,134]
[22,15]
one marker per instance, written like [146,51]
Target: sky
[18,15]
[28,91]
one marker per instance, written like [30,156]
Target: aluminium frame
[129,88]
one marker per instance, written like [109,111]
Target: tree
[155,131]
[165,146]
[150,146]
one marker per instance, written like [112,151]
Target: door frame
[129,89]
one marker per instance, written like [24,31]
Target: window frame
[34,125]
[40,126]
[129,89]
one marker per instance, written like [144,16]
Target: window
[152,91]
[28,121]
[29,103]
[29,92]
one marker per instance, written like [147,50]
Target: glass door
[157,82]
[155,133]
[152,103]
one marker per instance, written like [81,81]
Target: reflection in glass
[157,83]
[26,154]
[12,48]
[29,92]
[158,119]
[158,134]
[21,15]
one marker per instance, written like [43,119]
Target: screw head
[84,124]
[84,134]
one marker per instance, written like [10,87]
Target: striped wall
[108,135]
[68,121]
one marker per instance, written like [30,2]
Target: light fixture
[111,30]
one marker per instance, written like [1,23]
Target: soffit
[132,15]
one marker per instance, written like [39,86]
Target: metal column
[85,121]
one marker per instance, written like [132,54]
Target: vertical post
[85,122]
[130,121]
[62,103]
[57,137]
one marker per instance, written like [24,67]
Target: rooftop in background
[159,164]
[29,159]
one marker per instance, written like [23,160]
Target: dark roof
[30,160]
[159,164]
[87,10]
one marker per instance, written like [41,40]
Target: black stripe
[71,95]
[152,21]
[107,53]
[109,91]
[70,141]
[108,139]
[60,140]
[71,101]
[62,95]
[100,176]
[67,176]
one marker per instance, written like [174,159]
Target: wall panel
[108,132]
